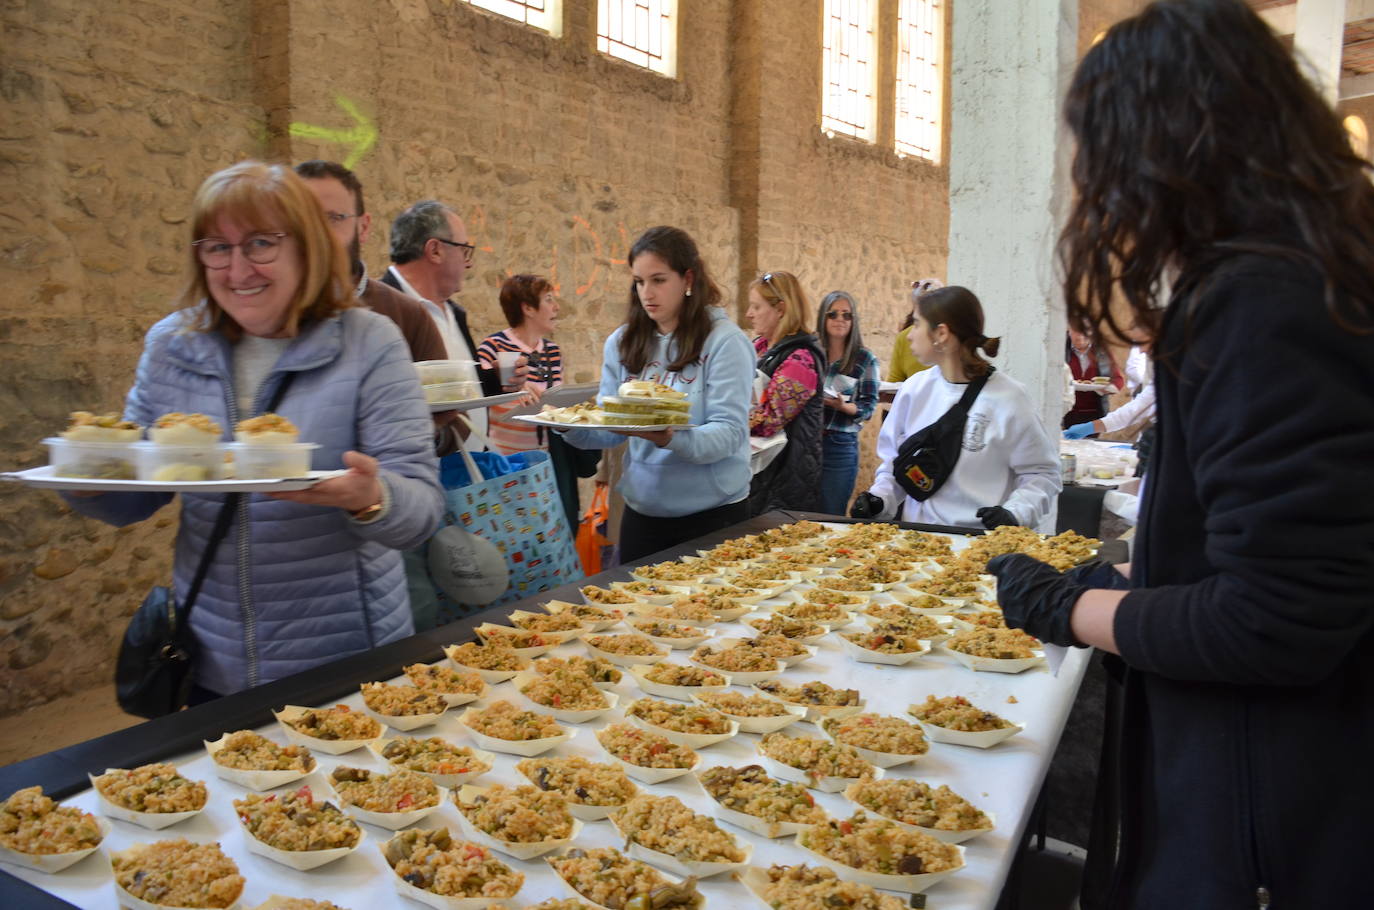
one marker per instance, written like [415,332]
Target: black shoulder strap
[971,391]
[774,356]
[226,514]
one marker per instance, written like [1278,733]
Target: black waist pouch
[927,457]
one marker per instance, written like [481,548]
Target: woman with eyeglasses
[904,363]
[307,577]
[1007,466]
[678,483]
[850,393]
[531,310]
[793,364]
[1244,635]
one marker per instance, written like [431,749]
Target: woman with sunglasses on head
[904,363]
[1240,762]
[1007,467]
[850,393]
[792,361]
[306,577]
[678,483]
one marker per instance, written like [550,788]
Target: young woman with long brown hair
[1207,162]
[678,483]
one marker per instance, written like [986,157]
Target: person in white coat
[1007,472]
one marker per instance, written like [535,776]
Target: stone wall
[556,156]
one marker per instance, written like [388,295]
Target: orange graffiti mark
[478,229]
[584,287]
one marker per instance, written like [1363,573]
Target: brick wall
[556,156]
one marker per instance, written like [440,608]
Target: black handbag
[153,672]
[927,457]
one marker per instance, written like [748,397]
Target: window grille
[642,32]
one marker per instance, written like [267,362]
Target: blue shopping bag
[514,506]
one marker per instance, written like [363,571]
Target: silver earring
[689,292]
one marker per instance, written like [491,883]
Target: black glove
[1036,597]
[995,517]
[866,505]
[1098,574]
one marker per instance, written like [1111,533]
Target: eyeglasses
[339,217]
[217,253]
[836,314]
[467,248]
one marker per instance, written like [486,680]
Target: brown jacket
[425,343]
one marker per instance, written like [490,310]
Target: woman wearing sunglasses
[850,393]
[791,401]
[305,577]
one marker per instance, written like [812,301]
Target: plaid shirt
[864,394]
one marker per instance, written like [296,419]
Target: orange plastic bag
[590,539]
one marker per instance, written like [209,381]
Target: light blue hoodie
[703,467]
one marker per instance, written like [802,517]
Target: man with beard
[341,196]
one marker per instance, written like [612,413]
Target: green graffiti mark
[360,137]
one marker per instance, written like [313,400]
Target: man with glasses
[341,196]
[430,257]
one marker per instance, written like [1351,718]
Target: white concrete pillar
[1318,36]
[1008,180]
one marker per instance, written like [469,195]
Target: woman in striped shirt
[531,309]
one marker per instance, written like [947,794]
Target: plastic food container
[180,463]
[97,460]
[437,372]
[466,390]
[268,462]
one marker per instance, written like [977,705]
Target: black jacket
[490,377]
[793,480]
[1248,737]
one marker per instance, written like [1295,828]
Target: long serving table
[1003,780]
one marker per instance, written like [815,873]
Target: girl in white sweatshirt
[1008,467]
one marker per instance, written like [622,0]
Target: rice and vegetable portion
[245,750]
[1001,644]
[679,675]
[918,803]
[814,612]
[514,638]
[597,669]
[337,723]
[660,629]
[830,597]
[750,790]
[503,720]
[296,821]
[444,680]
[626,645]
[735,659]
[673,571]
[548,622]
[902,619]
[877,732]
[565,689]
[664,824]
[561,903]
[887,638]
[786,626]
[809,887]
[433,861]
[157,787]
[606,595]
[402,701]
[432,756]
[487,657]
[684,608]
[34,824]
[817,757]
[579,781]
[985,619]
[644,748]
[607,877]
[678,717]
[178,873]
[954,712]
[814,692]
[739,705]
[521,815]
[879,845]
[402,791]
[591,612]
[304,903]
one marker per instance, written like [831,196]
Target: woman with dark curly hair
[1239,769]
